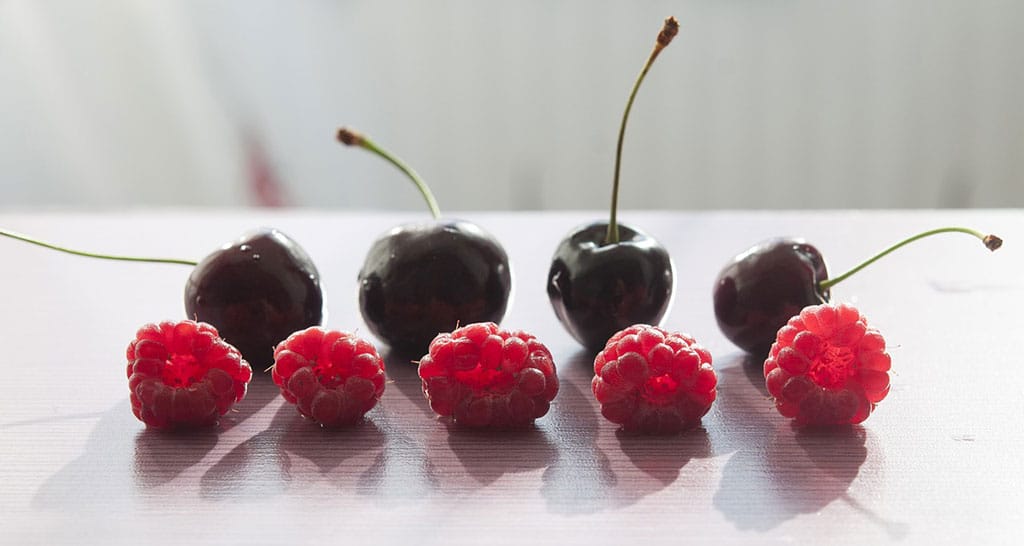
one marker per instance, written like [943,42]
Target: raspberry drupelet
[183,375]
[483,376]
[653,381]
[827,367]
[332,377]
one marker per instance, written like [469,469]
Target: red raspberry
[483,376]
[827,367]
[182,375]
[332,377]
[650,380]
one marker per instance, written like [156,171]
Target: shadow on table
[485,455]
[403,471]
[267,463]
[779,470]
[260,393]
[794,472]
[663,457]
[162,456]
[743,414]
[403,377]
[51,419]
[98,473]
[153,457]
[581,479]
[584,479]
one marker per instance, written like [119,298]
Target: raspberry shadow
[161,456]
[487,455]
[780,471]
[584,479]
[581,480]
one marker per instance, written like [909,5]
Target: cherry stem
[52,246]
[668,31]
[991,242]
[351,137]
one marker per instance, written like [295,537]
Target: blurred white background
[511,105]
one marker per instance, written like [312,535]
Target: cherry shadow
[753,369]
[281,456]
[251,468]
[403,471]
[581,362]
[581,480]
[403,376]
[743,415]
[261,392]
[328,450]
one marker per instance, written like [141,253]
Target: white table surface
[938,462]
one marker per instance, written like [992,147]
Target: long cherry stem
[991,242]
[668,31]
[52,246]
[351,137]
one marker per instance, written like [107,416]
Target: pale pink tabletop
[938,462]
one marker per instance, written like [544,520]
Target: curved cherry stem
[351,137]
[668,31]
[44,244]
[991,242]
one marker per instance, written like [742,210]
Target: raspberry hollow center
[329,374]
[182,370]
[832,367]
[485,379]
[660,390]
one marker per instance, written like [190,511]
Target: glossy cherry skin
[256,291]
[422,279]
[597,289]
[758,291]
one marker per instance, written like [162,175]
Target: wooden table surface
[938,462]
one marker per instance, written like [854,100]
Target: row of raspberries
[826,367]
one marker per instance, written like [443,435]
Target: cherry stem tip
[669,29]
[991,242]
[351,137]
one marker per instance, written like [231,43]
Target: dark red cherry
[607,276]
[597,289]
[256,291]
[760,289]
[757,292]
[422,279]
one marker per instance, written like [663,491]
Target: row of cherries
[606,282]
